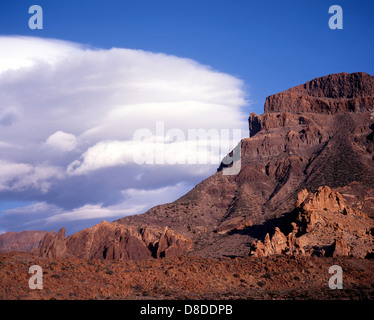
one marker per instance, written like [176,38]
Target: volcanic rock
[112,241]
[53,245]
[278,244]
[21,241]
[341,249]
[171,244]
[186,277]
[234,224]
[324,225]
[335,93]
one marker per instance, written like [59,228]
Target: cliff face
[336,93]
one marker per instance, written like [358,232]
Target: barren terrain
[186,277]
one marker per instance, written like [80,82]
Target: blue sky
[269,46]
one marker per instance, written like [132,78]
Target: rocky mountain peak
[331,94]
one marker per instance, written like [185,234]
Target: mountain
[336,93]
[314,135]
[21,241]
[305,186]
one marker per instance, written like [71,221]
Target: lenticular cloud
[67,118]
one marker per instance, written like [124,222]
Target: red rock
[276,245]
[21,241]
[237,223]
[113,241]
[335,93]
[322,218]
[171,244]
[53,245]
[341,249]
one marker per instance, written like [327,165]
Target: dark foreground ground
[185,277]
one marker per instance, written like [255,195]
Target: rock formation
[324,225]
[53,245]
[171,244]
[113,241]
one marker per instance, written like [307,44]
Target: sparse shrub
[261,283]
[138,287]
[267,275]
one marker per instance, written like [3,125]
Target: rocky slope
[21,241]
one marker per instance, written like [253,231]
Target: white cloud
[4,144]
[68,114]
[38,207]
[62,141]
[189,150]
[22,176]
[134,201]
[29,217]
[88,212]
[19,52]
[102,155]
